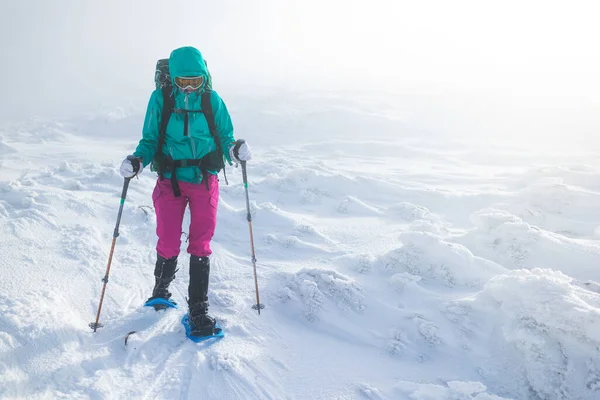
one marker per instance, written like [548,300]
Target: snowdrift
[391,268]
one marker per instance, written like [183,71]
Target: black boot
[164,273]
[200,322]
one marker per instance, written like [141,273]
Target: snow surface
[393,263]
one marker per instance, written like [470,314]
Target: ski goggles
[193,83]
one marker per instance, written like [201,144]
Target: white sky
[76,55]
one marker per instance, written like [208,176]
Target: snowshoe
[198,335]
[160,303]
[164,273]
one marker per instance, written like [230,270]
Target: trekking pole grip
[244,173]
[123,195]
[125,187]
[245,178]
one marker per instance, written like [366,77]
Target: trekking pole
[96,325]
[256,306]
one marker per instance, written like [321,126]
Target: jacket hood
[187,61]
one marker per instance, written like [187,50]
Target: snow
[393,264]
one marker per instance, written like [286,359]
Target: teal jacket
[185,61]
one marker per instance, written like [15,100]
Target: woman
[192,149]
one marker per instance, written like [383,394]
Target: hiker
[187,135]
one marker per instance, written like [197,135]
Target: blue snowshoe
[164,273]
[200,334]
[198,324]
[160,303]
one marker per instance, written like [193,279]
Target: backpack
[163,162]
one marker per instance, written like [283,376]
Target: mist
[514,70]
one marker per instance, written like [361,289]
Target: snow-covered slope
[393,265]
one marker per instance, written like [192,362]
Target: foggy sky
[525,57]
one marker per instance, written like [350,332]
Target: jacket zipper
[192,143]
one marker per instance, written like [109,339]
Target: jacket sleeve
[223,124]
[148,145]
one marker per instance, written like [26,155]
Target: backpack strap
[167,110]
[165,163]
[203,164]
[210,119]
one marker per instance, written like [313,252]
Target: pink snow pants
[170,210]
